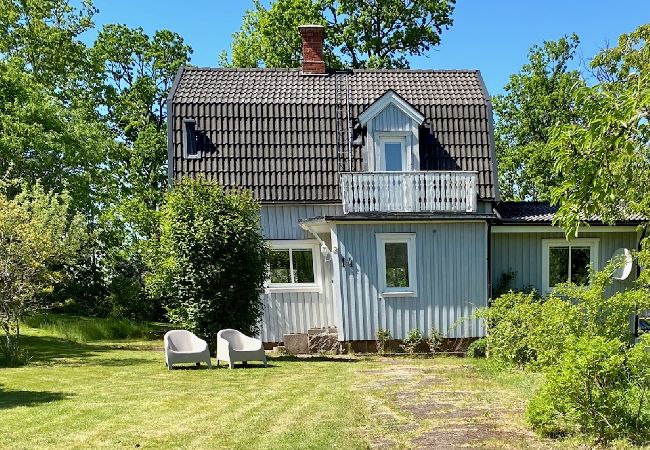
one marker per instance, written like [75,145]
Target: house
[379,194]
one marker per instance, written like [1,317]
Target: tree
[210,265]
[359,33]
[37,232]
[43,139]
[536,99]
[44,36]
[603,159]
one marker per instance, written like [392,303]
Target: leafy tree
[362,33]
[44,36]
[536,99]
[37,231]
[43,139]
[211,263]
[604,158]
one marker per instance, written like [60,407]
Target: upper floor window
[189,139]
[394,156]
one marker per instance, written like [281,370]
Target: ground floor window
[396,261]
[293,266]
[568,261]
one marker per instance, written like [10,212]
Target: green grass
[118,394]
[86,329]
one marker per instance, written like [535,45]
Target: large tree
[360,33]
[537,99]
[604,159]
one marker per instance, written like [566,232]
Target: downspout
[638,274]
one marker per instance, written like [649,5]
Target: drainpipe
[638,273]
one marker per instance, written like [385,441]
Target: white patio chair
[233,345]
[182,346]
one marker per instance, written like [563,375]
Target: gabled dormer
[392,134]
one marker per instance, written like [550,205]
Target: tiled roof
[274,130]
[538,212]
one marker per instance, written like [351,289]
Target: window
[568,261]
[189,139]
[294,266]
[396,260]
[393,157]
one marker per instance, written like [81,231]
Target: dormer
[392,134]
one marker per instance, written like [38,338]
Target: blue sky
[492,36]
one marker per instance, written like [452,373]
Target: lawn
[116,394]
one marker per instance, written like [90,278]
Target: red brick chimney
[312,49]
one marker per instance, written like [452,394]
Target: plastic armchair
[233,345]
[182,346]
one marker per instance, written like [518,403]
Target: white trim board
[390,97]
[504,229]
[409,239]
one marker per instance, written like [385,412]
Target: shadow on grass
[12,399]
[47,348]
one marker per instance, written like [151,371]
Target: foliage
[603,158]
[211,264]
[434,341]
[599,388]
[270,38]
[377,34]
[478,348]
[37,232]
[412,340]
[383,340]
[536,99]
[85,329]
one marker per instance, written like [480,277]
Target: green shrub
[383,339]
[210,267]
[600,388]
[478,348]
[435,340]
[412,340]
[85,329]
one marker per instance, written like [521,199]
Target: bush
[478,348]
[211,265]
[383,339]
[412,340]
[600,388]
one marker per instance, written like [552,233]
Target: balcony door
[393,154]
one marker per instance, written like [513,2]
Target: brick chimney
[312,49]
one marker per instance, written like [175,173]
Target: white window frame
[382,138]
[306,244]
[409,238]
[547,244]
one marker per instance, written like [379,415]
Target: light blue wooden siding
[451,275]
[392,119]
[281,221]
[296,312]
[522,253]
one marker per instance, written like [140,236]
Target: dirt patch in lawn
[438,404]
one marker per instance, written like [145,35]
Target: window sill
[192,156]
[399,294]
[297,288]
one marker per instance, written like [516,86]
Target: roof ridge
[332,71]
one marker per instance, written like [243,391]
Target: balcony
[450,191]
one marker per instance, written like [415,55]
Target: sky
[492,36]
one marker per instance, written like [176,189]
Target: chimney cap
[310,25]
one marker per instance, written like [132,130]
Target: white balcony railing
[451,191]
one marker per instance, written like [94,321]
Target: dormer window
[189,139]
[392,126]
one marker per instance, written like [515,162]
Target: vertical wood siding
[296,312]
[391,119]
[522,253]
[451,274]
